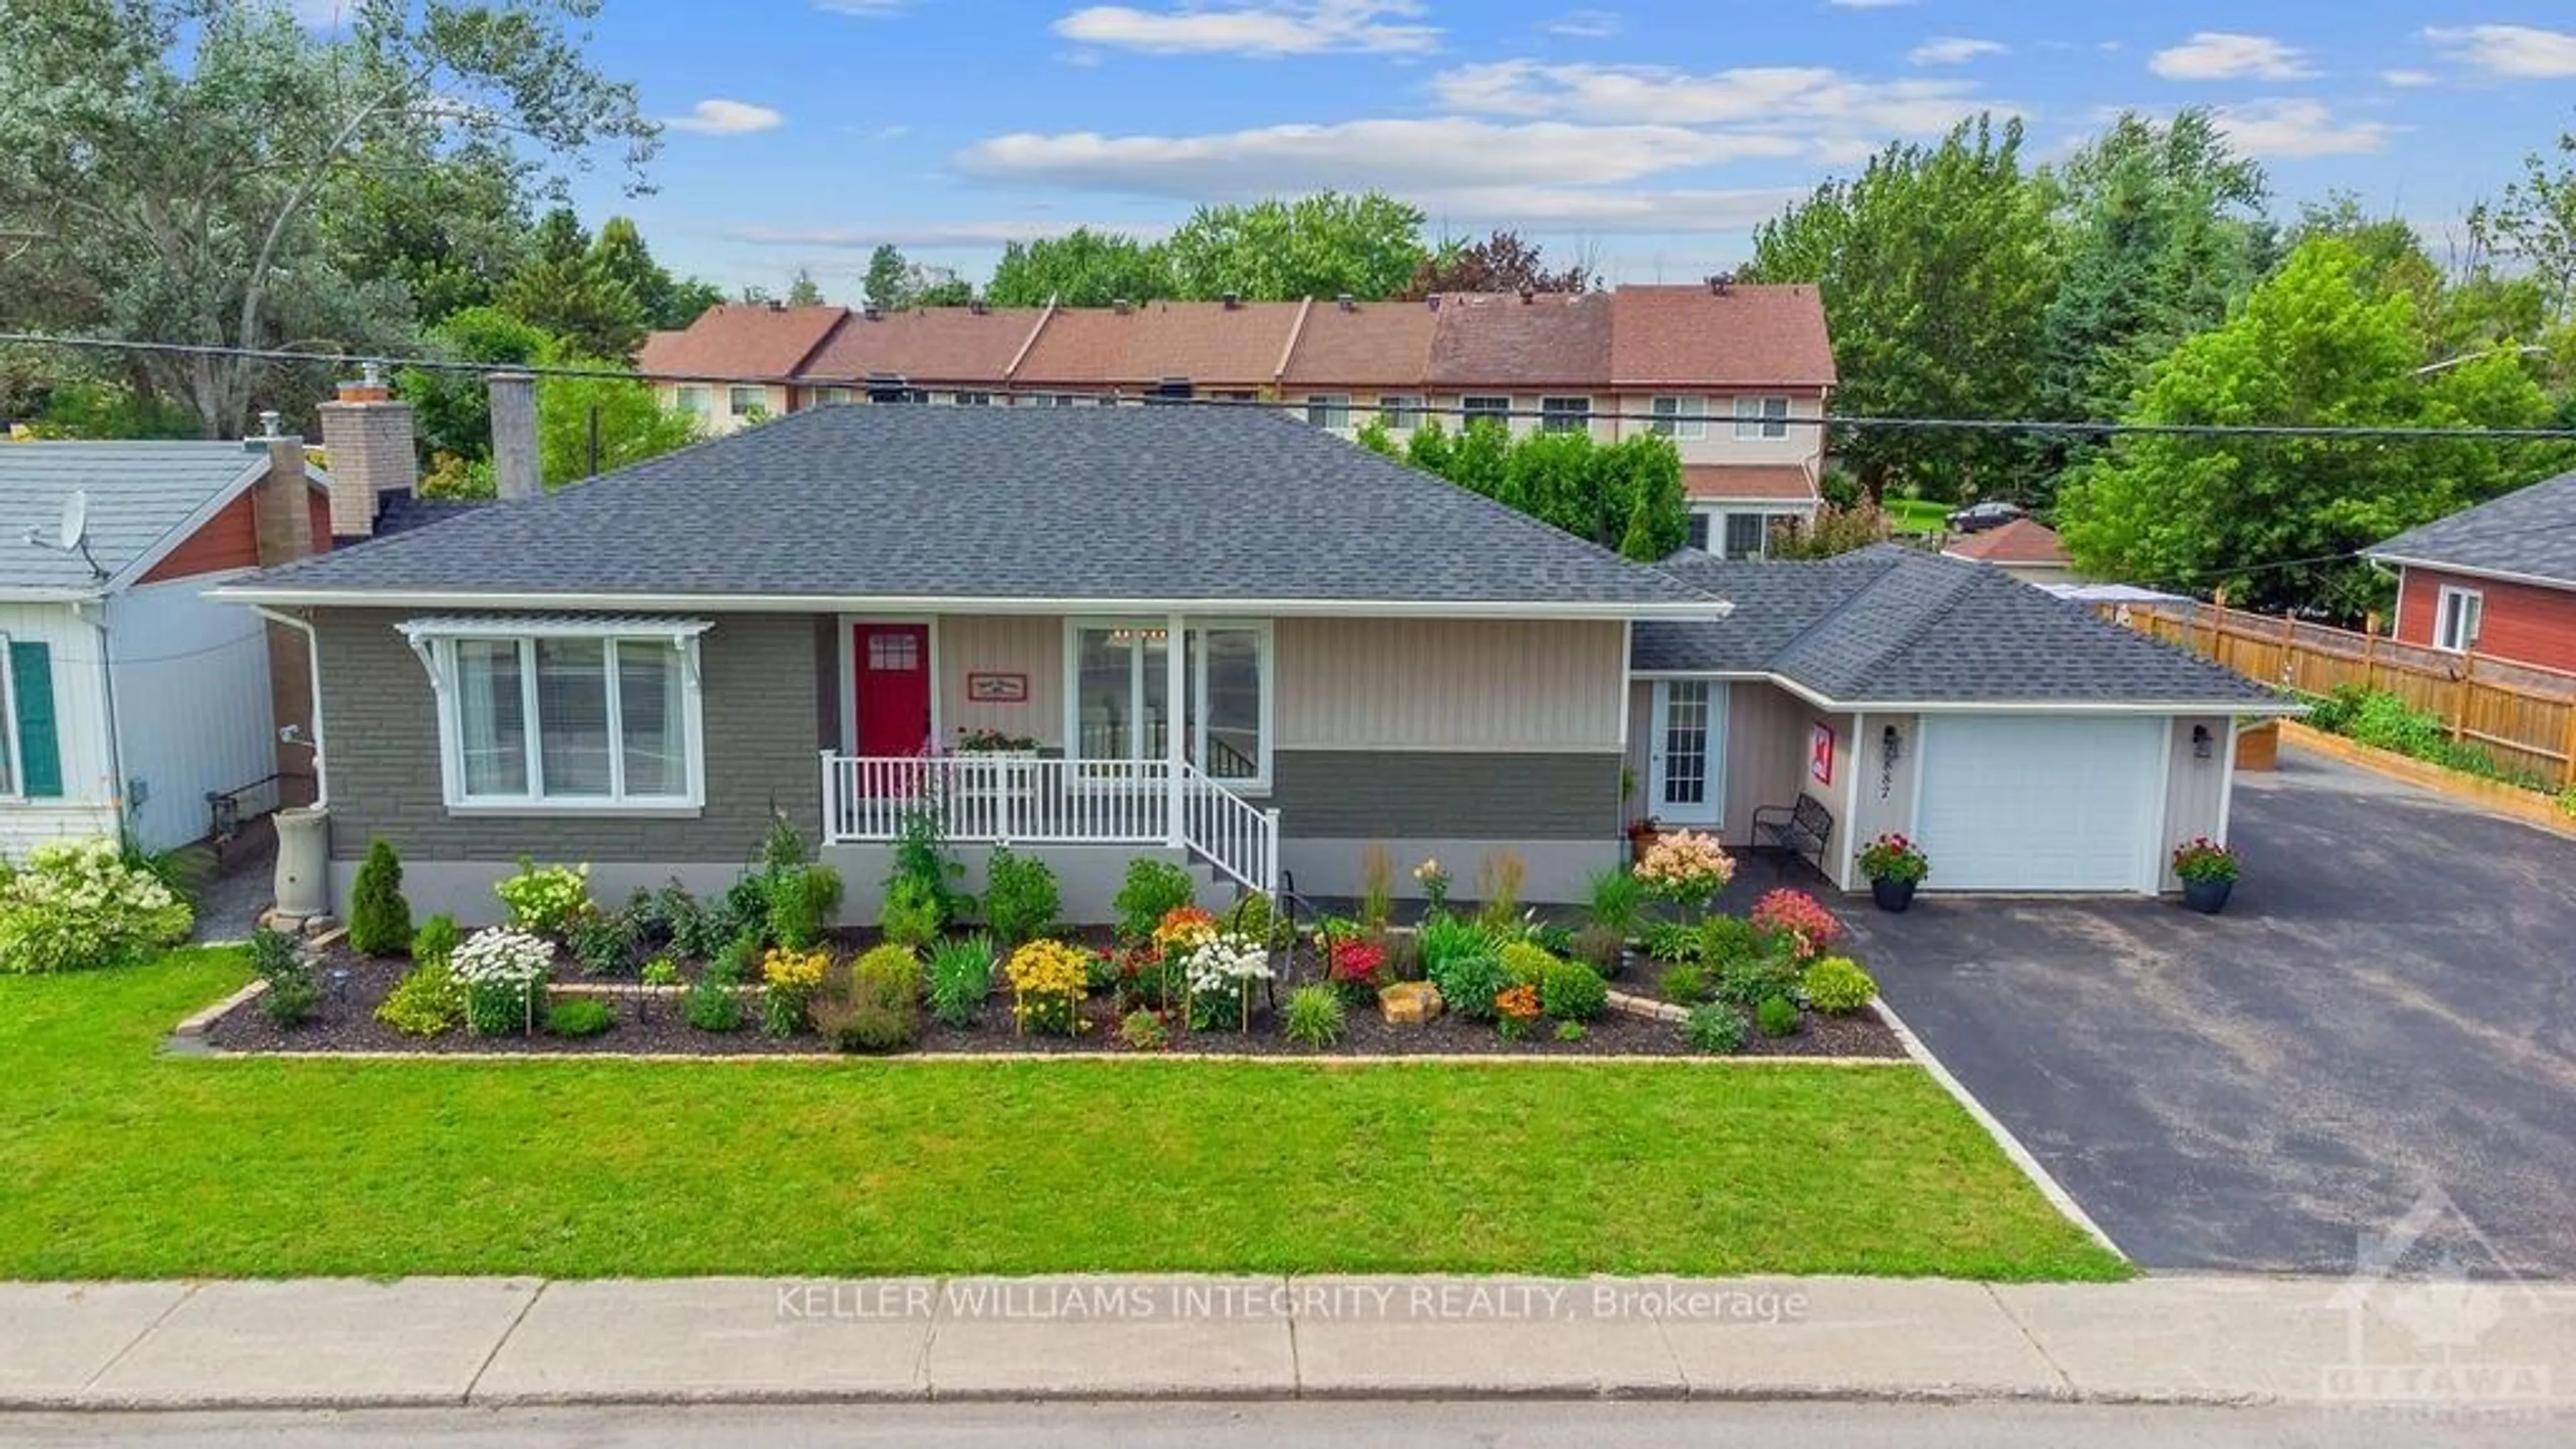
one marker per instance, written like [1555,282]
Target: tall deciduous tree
[1936,271]
[453,409]
[888,285]
[1501,262]
[174,151]
[1322,245]
[2534,222]
[1625,496]
[2274,519]
[803,290]
[1082,268]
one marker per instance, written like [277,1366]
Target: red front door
[893,684]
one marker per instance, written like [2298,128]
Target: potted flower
[2208,870]
[1895,866]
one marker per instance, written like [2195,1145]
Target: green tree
[803,290]
[2534,223]
[1936,271]
[453,409]
[2160,229]
[668,302]
[632,424]
[451,228]
[173,153]
[888,285]
[578,291]
[1323,245]
[1082,268]
[1625,496]
[2275,520]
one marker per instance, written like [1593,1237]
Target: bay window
[1121,710]
[574,714]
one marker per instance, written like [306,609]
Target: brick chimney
[282,502]
[515,474]
[369,437]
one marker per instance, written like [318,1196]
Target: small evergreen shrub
[1020,897]
[802,902]
[1776,1016]
[1316,1018]
[293,995]
[912,915]
[1715,1029]
[379,917]
[1572,991]
[1527,961]
[961,979]
[578,1016]
[710,1005]
[1837,986]
[436,940]
[1153,889]
[1684,985]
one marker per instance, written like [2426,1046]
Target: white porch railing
[1024,799]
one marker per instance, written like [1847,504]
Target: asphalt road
[1484,1425]
[2384,1012]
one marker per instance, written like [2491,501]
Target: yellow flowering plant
[1048,982]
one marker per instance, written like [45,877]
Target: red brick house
[2499,578]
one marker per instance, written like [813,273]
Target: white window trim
[2458,611]
[14,787]
[1400,412]
[1685,420]
[1260,783]
[1330,403]
[1564,420]
[1756,420]
[435,642]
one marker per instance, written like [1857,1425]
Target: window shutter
[40,767]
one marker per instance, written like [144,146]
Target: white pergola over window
[583,714]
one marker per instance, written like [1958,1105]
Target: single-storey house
[2499,578]
[2024,548]
[126,696]
[1214,635]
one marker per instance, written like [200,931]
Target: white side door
[1686,753]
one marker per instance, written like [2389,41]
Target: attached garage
[2026,802]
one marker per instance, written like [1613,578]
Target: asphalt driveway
[2388,1006]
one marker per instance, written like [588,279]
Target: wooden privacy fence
[2524,717]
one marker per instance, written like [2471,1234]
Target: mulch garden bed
[649,1022]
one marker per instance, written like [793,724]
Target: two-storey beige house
[1737,376]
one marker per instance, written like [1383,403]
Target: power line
[1415,406]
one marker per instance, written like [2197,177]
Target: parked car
[1978,517]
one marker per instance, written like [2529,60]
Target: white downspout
[313,686]
[116,781]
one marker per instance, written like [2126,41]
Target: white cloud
[1585,25]
[1954,50]
[2409,79]
[1766,97]
[2225,55]
[2522,51]
[721,117]
[1445,154]
[2295,129]
[1267,29]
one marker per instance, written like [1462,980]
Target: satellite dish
[75,526]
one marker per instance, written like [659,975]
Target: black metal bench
[1802,830]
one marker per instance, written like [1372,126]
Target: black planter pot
[1892,895]
[2208,897]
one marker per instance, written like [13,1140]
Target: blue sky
[1650,135]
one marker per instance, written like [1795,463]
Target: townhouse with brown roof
[1736,376]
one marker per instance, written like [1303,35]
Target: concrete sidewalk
[2415,1347]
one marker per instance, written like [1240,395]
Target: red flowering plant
[1355,966]
[2201,859]
[1799,918]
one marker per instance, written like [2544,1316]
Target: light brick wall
[371,452]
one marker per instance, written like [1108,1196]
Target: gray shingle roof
[2531,532]
[1001,503]
[1889,625]
[140,494]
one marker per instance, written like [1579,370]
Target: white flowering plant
[1221,971]
[79,904]
[502,970]
[546,901]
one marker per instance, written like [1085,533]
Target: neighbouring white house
[127,698]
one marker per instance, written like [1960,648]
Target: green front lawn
[118,1163]
[1917,515]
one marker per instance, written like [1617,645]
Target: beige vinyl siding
[1003,644]
[1886,792]
[1766,753]
[1450,684]
[1803,445]
[2195,789]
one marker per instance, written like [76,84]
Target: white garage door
[2042,802]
